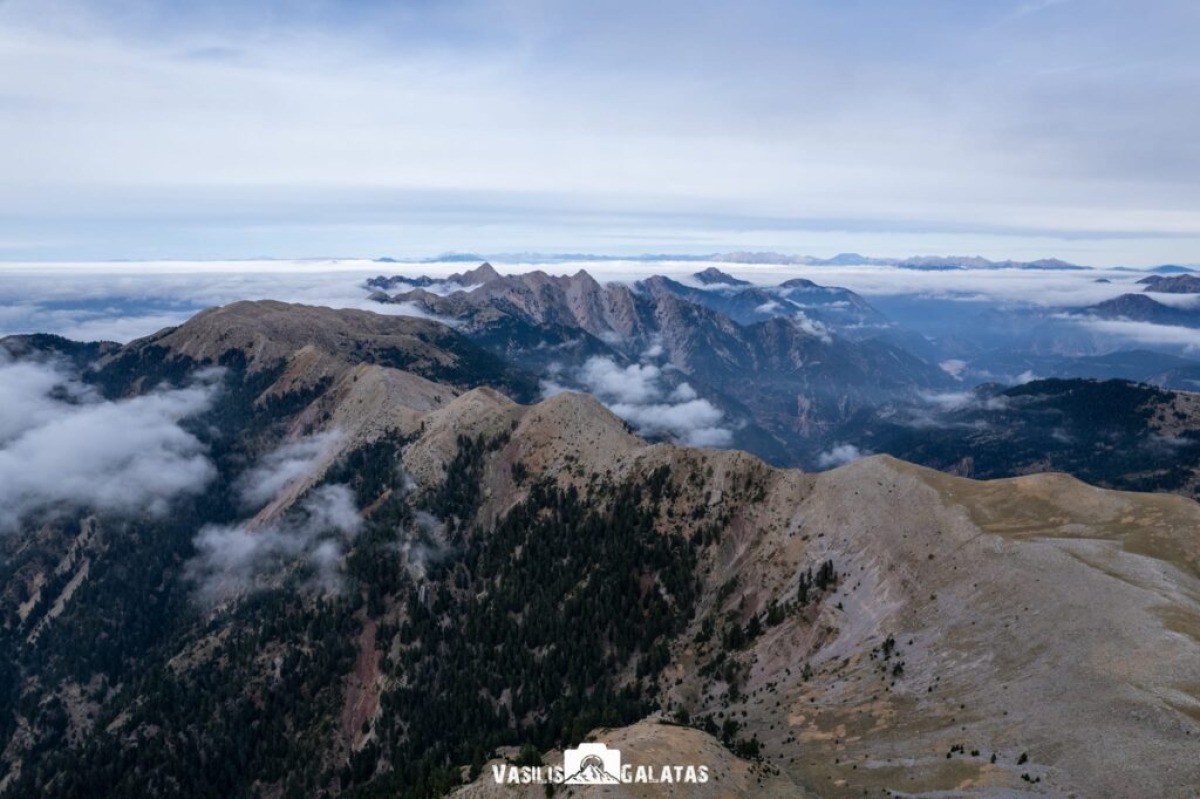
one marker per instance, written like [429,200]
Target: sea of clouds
[120,301]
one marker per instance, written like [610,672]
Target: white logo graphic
[596,764]
[592,764]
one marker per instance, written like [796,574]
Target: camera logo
[592,764]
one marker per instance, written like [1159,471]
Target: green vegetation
[520,638]
[532,631]
[255,704]
[1098,431]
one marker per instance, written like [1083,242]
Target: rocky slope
[788,363]
[531,575]
[1039,620]
[651,744]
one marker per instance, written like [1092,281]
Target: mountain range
[402,561]
[919,262]
[785,364]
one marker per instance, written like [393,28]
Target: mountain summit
[712,275]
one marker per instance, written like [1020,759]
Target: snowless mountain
[397,566]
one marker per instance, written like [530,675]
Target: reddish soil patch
[362,688]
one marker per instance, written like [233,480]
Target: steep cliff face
[789,363]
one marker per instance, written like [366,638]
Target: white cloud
[639,394]
[235,559]
[839,455]
[683,393]
[1046,288]
[813,327]
[120,328]
[26,391]
[696,423]
[958,400]
[281,467]
[655,350]
[950,400]
[121,302]
[1144,332]
[1189,301]
[953,367]
[60,444]
[636,383]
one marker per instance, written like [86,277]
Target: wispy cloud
[284,466]
[1144,332]
[63,446]
[232,560]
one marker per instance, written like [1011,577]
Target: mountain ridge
[787,363]
[878,626]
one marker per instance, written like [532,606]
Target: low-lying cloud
[812,327]
[1048,288]
[951,410]
[286,465]
[960,400]
[61,444]
[93,301]
[641,395]
[840,455]
[1144,333]
[113,302]
[233,560]
[424,546]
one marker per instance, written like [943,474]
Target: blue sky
[1022,128]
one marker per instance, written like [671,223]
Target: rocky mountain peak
[480,275]
[713,276]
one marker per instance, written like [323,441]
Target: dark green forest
[513,635]
[1098,431]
